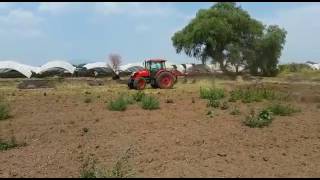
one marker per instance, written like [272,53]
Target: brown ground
[178,140]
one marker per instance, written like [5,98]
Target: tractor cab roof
[156,60]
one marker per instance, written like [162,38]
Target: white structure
[57,64]
[96,65]
[314,66]
[22,68]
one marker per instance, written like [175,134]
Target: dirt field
[177,140]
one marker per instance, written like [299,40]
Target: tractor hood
[141,73]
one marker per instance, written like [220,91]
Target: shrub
[282,110]
[4,111]
[264,118]
[249,95]
[213,103]
[120,104]
[149,102]
[138,96]
[211,93]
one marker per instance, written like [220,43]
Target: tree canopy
[226,34]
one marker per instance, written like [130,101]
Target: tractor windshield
[154,66]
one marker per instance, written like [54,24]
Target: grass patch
[282,110]
[6,145]
[264,118]
[119,104]
[4,111]
[212,93]
[150,102]
[138,96]
[248,95]
[213,103]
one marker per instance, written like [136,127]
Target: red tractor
[155,73]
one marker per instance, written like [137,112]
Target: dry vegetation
[203,127]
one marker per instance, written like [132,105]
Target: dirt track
[178,140]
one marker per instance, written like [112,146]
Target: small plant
[282,110]
[210,113]
[87,100]
[130,100]
[211,93]
[224,105]
[4,111]
[264,118]
[120,104]
[10,144]
[213,103]
[235,111]
[121,169]
[138,96]
[149,102]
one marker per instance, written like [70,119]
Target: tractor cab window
[155,66]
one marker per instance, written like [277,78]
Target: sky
[37,32]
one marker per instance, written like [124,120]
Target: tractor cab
[154,65]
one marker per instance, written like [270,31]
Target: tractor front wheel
[165,80]
[139,83]
[130,83]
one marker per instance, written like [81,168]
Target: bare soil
[177,140]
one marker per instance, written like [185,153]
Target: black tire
[170,81]
[130,83]
[154,84]
[139,83]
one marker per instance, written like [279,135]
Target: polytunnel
[131,67]
[98,69]
[7,66]
[57,64]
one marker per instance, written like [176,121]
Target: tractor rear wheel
[165,80]
[139,83]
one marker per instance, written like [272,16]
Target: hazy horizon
[35,33]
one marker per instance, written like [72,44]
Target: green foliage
[138,96]
[252,94]
[149,102]
[268,51]
[282,110]
[6,145]
[213,103]
[4,111]
[211,93]
[264,118]
[227,27]
[120,104]
[294,67]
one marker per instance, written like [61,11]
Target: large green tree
[268,50]
[224,34]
